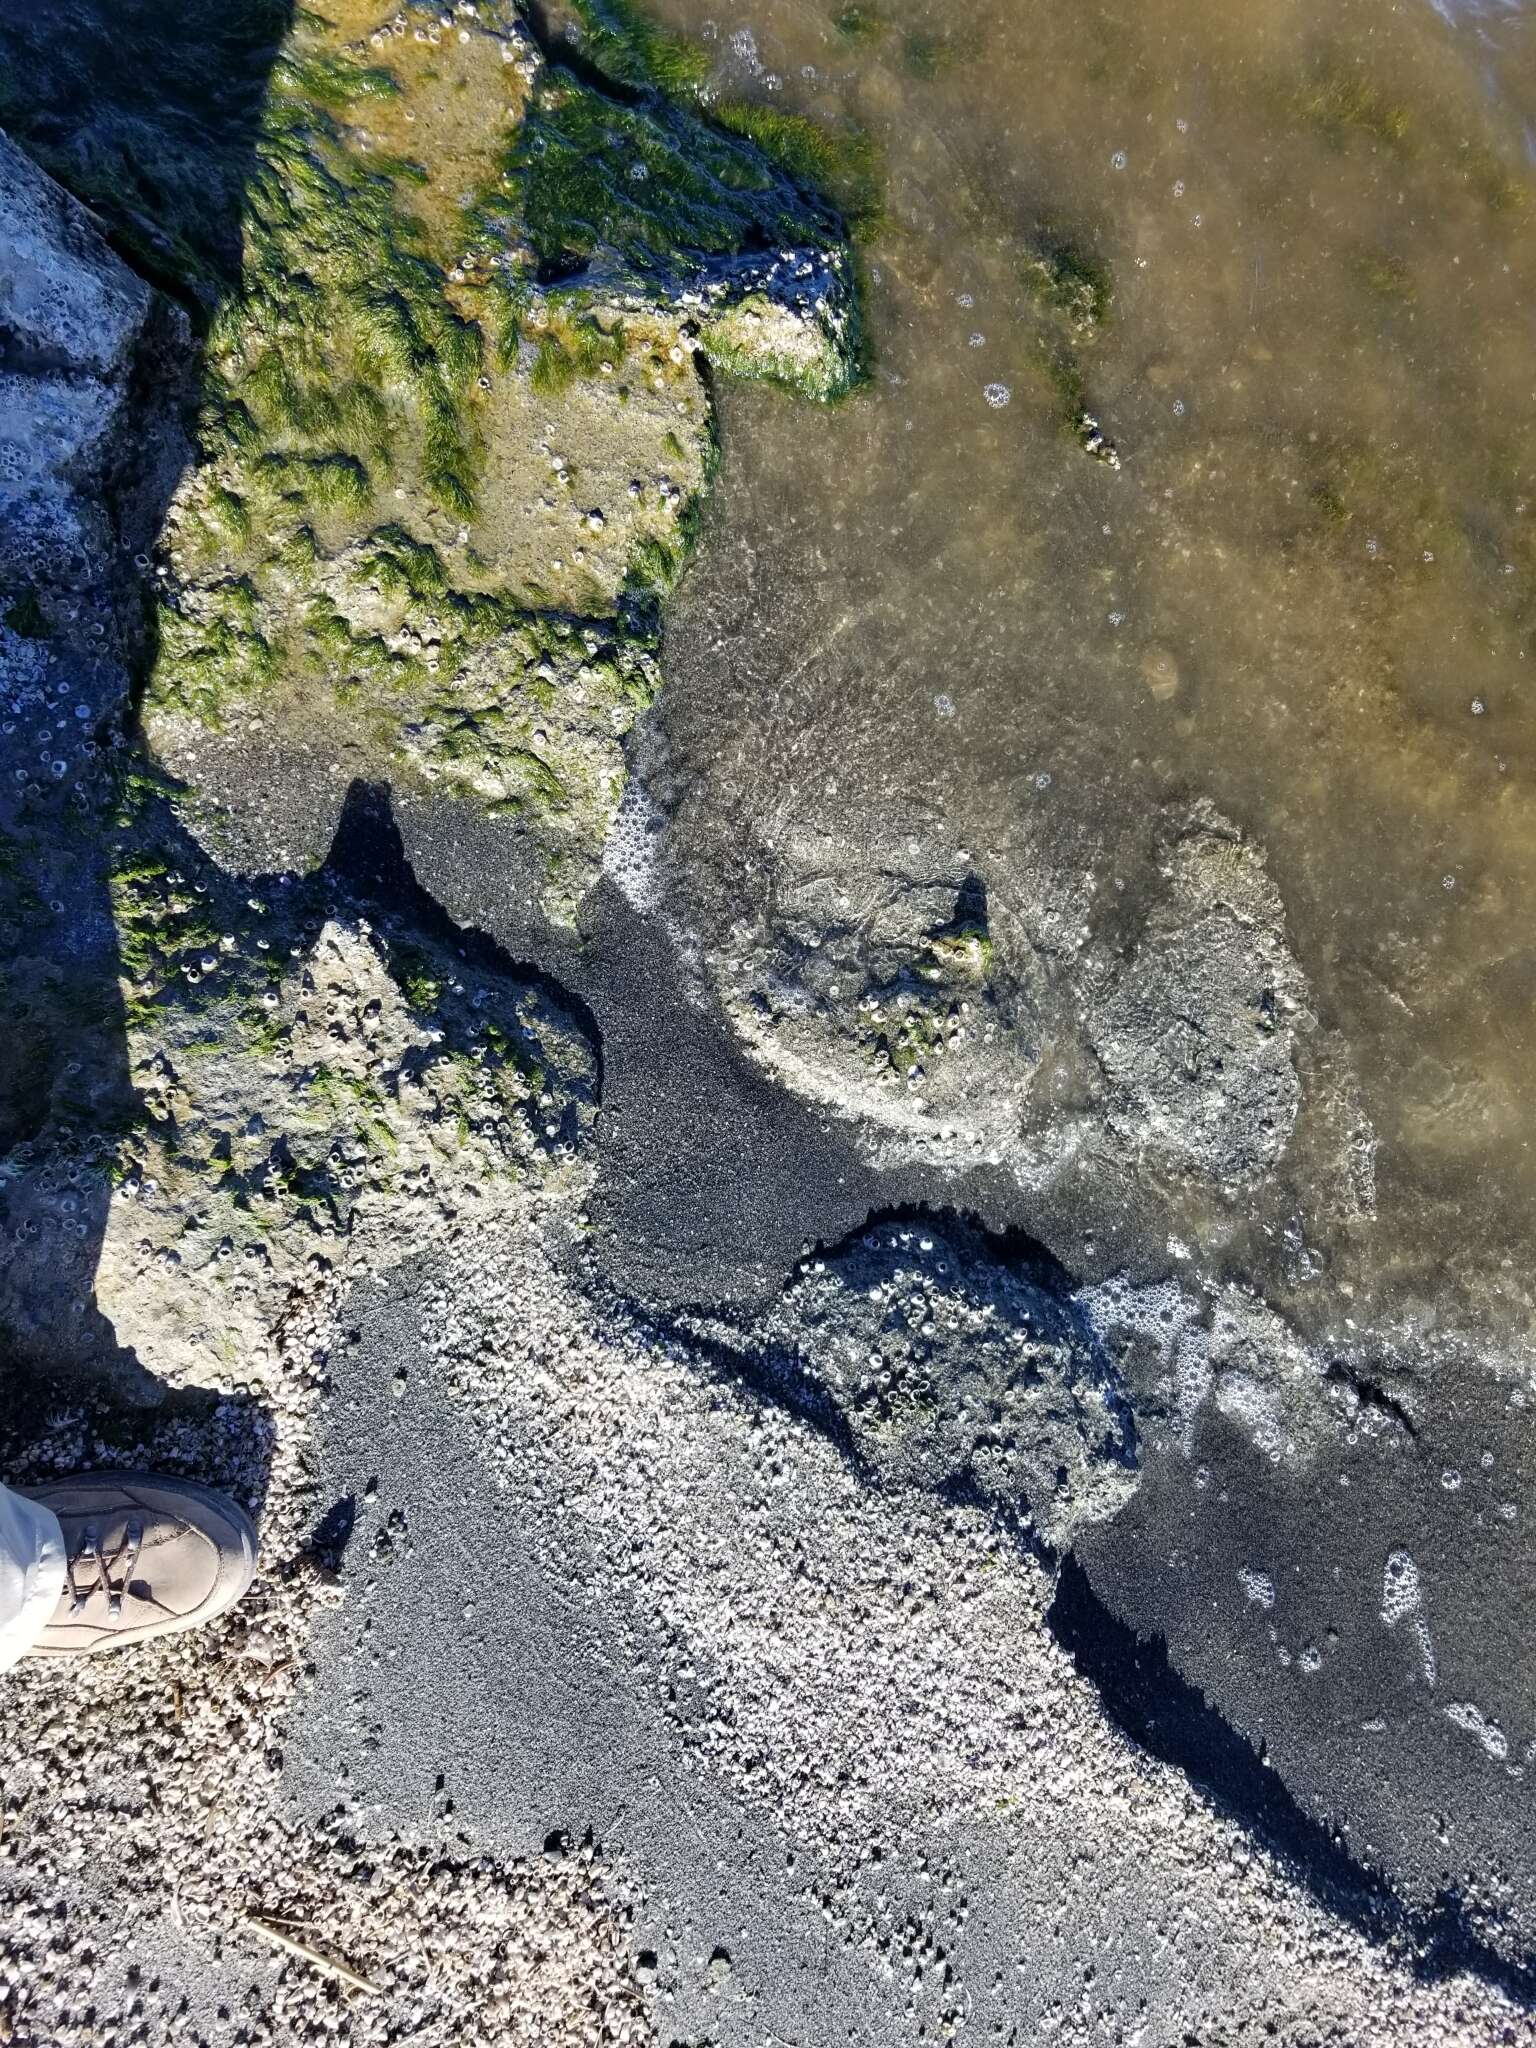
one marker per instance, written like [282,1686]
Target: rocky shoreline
[353,961]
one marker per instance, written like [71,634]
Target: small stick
[270,1931]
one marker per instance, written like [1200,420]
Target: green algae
[652,183]
[701,190]
[859,23]
[1068,281]
[622,41]
[409,220]
[1340,100]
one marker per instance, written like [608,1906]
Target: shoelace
[90,1552]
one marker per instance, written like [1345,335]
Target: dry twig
[331,1965]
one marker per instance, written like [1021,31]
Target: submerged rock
[1008,1018]
[868,971]
[1196,1028]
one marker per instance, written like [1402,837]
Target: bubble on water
[1450,1479]
[965,298]
[997,394]
[1311,1658]
[978,341]
[1426,1648]
[1178,188]
[1119,160]
[1401,1590]
[944,704]
[1182,125]
[1401,1598]
[1259,1586]
[1447,881]
[1478,707]
[1178,408]
[630,850]
[1476,1722]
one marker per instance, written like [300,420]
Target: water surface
[1306,592]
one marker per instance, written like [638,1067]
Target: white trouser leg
[31,1573]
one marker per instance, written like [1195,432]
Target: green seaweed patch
[966,949]
[841,165]
[927,55]
[1329,500]
[211,652]
[574,349]
[1386,276]
[1065,279]
[652,183]
[1491,179]
[343,337]
[859,22]
[1340,100]
[634,50]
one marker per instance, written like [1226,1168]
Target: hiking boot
[145,1555]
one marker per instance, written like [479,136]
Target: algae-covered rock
[301,1074]
[366,1084]
[453,430]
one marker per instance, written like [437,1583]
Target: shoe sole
[222,1505]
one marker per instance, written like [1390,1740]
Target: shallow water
[1306,594]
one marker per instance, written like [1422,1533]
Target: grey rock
[953,1359]
[1197,1026]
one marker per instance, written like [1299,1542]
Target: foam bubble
[1475,1722]
[1401,1591]
[630,850]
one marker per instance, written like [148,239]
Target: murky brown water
[1307,594]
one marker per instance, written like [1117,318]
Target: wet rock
[1183,1345]
[953,1358]
[1196,1029]
[873,975]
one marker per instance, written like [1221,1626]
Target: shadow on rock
[120,216]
